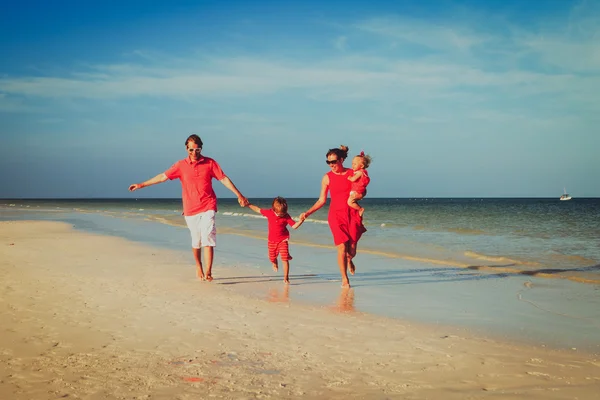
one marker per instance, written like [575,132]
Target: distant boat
[565,195]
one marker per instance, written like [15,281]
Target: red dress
[344,221]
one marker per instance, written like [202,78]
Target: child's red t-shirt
[277,225]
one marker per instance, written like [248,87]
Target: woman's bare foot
[351,267]
[199,273]
[275,267]
[209,278]
[361,212]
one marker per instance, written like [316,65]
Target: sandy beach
[98,317]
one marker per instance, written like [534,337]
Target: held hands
[243,201]
[303,216]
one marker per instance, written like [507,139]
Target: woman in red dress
[345,223]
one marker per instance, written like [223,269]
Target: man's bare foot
[286,280]
[275,267]
[351,267]
[361,212]
[209,278]
[199,273]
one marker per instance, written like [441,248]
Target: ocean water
[526,269]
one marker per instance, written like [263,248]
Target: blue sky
[451,98]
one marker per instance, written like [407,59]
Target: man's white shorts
[203,229]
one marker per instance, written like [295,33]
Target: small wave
[172,221]
[463,231]
[236,214]
[499,259]
[36,210]
[390,225]
[317,221]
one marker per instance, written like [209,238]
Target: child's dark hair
[366,159]
[341,152]
[280,205]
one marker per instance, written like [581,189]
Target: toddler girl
[360,179]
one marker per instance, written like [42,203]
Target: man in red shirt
[199,200]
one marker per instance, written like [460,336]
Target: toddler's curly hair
[366,159]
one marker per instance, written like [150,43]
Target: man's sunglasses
[330,162]
[199,149]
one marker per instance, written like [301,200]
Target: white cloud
[571,44]
[432,36]
[570,55]
[467,65]
[243,77]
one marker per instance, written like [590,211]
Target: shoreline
[97,316]
[577,269]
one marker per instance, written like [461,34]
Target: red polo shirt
[277,225]
[196,183]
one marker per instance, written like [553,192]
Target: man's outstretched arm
[160,178]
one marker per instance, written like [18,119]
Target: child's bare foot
[361,212]
[286,280]
[345,284]
[275,267]
[351,267]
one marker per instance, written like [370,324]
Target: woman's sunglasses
[330,162]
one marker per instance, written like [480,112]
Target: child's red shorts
[279,248]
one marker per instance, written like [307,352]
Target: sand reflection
[345,301]
[279,295]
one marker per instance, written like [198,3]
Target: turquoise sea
[522,269]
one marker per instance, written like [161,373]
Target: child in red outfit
[360,180]
[278,219]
